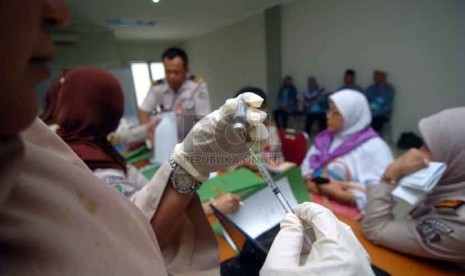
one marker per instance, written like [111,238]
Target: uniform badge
[431,230]
[448,206]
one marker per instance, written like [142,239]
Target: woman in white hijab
[349,153]
[436,227]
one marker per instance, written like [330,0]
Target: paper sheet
[425,179]
[413,188]
[166,137]
[262,210]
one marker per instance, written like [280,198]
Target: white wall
[420,43]
[230,58]
[103,49]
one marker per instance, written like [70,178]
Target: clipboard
[238,236]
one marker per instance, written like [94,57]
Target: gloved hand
[213,145]
[336,250]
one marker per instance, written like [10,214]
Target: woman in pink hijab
[436,226]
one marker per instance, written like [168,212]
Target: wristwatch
[182,181]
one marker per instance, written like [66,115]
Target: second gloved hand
[336,250]
[213,144]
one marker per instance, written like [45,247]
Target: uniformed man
[179,91]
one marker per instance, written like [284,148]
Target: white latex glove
[336,250]
[213,145]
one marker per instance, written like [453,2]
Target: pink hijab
[444,134]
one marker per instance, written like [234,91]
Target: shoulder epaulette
[196,78]
[157,82]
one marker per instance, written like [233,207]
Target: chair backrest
[294,145]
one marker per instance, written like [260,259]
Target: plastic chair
[294,144]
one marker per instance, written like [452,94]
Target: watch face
[182,181]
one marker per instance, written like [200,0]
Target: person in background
[435,228]
[89,109]
[179,91]
[315,102]
[124,137]
[349,153]
[350,81]
[381,97]
[287,102]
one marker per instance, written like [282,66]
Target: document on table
[262,210]
[166,137]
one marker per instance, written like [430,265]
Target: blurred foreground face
[175,71]
[25,50]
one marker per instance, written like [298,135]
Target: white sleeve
[305,166]
[377,156]
[150,101]
[202,101]
[136,177]
[127,185]
[130,136]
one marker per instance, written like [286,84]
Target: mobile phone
[319,180]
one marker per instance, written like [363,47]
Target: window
[143,73]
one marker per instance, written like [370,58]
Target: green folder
[141,153]
[150,170]
[297,183]
[244,183]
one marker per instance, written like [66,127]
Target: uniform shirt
[315,101]
[431,231]
[57,218]
[127,184]
[287,97]
[380,98]
[191,102]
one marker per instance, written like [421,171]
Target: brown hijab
[91,104]
[444,134]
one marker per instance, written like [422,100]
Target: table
[394,263]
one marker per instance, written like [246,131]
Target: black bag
[409,140]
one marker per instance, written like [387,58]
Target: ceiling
[175,19]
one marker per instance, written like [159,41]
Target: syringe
[241,118]
[239,126]
[270,181]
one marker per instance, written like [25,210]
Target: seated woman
[130,136]
[349,153]
[89,109]
[436,226]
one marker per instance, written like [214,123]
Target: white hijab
[444,134]
[354,108]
